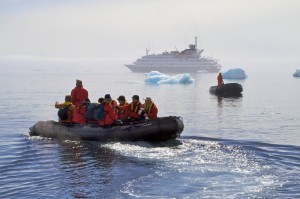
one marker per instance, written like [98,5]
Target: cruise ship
[186,61]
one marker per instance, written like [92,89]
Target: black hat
[136,97]
[100,100]
[107,96]
[85,102]
[121,97]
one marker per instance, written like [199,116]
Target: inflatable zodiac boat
[160,129]
[227,90]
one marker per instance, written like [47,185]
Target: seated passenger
[112,102]
[108,98]
[123,114]
[150,109]
[110,115]
[66,110]
[133,108]
[79,114]
[89,113]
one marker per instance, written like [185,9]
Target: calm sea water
[247,147]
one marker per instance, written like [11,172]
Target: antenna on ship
[147,51]
[195,42]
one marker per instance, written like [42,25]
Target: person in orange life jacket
[79,94]
[220,79]
[71,109]
[150,109]
[79,114]
[134,107]
[123,114]
[110,115]
[113,102]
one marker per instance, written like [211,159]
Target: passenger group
[78,109]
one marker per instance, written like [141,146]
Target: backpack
[99,112]
[89,113]
[63,113]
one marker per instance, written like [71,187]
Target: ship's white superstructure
[188,60]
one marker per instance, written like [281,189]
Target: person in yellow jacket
[66,110]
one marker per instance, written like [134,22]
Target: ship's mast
[147,51]
[195,42]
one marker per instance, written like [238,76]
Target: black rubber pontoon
[160,129]
[227,90]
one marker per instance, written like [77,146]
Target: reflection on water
[51,168]
[86,166]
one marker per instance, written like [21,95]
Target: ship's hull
[169,69]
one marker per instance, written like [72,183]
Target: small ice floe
[236,73]
[297,73]
[134,82]
[202,71]
[155,77]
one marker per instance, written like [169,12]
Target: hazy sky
[237,32]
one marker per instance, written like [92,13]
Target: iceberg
[297,73]
[236,73]
[155,77]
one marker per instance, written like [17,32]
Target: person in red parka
[79,94]
[134,108]
[220,79]
[150,109]
[123,114]
[113,102]
[79,114]
[110,115]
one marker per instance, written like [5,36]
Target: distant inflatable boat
[227,90]
[160,129]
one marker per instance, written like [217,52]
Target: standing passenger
[79,94]
[220,79]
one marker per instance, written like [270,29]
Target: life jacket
[125,103]
[136,109]
[148,109]
[112,102]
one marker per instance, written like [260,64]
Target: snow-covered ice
[297,73]
[155,77]
[235,73]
